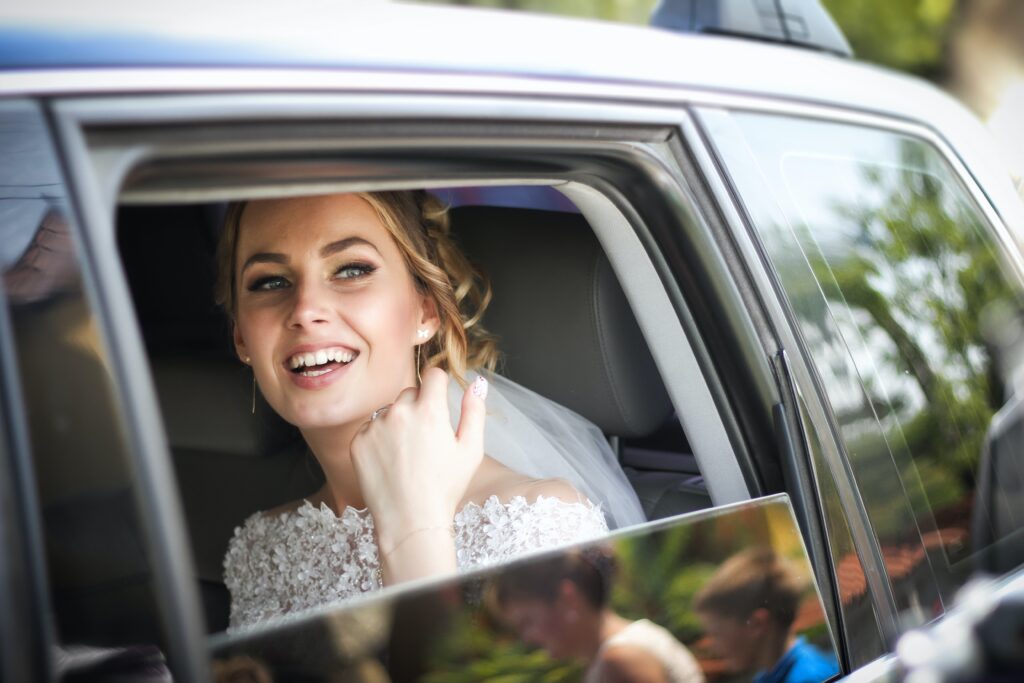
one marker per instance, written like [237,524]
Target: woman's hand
[413,470]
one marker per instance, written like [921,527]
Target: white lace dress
[308,557]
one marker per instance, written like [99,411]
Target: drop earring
[248,361]
[419,381]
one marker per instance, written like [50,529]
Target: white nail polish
[479,387]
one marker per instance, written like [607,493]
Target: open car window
[555,261]
[564,329]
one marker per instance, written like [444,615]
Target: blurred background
[973,49]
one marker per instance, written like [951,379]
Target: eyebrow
[325,251]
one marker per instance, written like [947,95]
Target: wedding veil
[539,438]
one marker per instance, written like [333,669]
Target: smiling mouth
[316,363]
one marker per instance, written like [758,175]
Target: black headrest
[205,392]
[207,405]
[565,328]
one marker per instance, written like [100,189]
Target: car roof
[315,45]
[413,38]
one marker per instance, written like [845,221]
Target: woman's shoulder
[267,524]
[507,485]
[551,509]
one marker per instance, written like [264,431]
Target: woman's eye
[351,271]
[268,283]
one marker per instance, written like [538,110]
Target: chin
[319,414]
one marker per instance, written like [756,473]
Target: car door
[902,288]
[634,182]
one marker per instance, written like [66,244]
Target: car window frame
[97,178]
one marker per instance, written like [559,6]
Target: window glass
[895,279]
[99,575]
[718,595]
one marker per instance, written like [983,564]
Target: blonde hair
[418,222]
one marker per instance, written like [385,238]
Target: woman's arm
[413,469]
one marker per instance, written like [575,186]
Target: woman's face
[326,309]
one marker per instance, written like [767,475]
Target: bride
[355,312]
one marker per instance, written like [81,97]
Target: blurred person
[748,607]
[561,604]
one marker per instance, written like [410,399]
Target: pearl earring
[423,333]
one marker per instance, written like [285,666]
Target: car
[763,270]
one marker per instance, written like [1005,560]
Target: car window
[234,457]
[900,289]
[551,269]
[725,594]
[100,581]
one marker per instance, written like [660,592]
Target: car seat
[567,331]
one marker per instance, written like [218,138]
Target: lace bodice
[307,557]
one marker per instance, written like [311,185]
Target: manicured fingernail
[479,387]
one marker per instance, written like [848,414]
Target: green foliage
[624,11]
[908,35]
[922,267]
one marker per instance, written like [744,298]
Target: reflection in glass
[562,604]
[100,580]
[748,607]
[569,615]
[904,302]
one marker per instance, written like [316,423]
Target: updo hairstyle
[418,222]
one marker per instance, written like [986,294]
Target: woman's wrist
[386,550]
[421,553]
[393,528]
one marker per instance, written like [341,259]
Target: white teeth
[320,357]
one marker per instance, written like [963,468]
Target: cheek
[385,322]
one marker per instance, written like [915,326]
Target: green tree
[908,35]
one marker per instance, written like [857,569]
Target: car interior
[565,330]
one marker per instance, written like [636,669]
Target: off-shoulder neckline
[489,502]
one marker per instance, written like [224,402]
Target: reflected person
[748,607]
[561,604]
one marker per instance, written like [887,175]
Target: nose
[309,305]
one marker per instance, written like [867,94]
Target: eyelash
[262,284]
[272,282]
[363,269]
